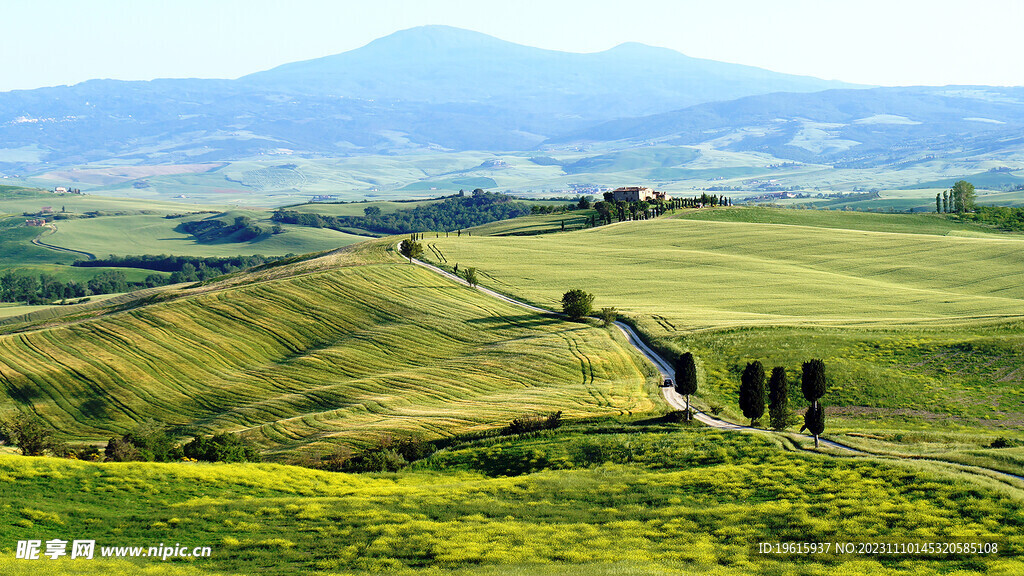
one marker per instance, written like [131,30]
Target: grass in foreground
[623,500]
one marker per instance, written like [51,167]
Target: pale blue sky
[892,42]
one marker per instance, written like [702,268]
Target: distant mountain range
[442,88]
[430,87]
[845,128]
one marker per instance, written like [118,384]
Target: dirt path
[53,230]
[676,401]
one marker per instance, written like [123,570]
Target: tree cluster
[152,441]
[214,230]
[1009,219]
[752,396]
[581,203]
[164,263]
[959,199]
[524,424]
[453,213]
[576,304]
[388,455]
[46,289]
[31,434]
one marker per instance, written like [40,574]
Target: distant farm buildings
[65,190]
[636,194]
[36,222]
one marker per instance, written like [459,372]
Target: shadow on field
[519,321]
[94,408]
[23,394]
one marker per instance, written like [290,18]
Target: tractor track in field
[53,230]
[676,401]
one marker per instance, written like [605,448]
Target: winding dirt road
[676,401]
[53,230]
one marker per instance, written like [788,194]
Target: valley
[380,311]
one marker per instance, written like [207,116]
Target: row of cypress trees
[752,393]
[812,384]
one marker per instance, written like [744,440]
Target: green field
[612,499]
[934,224]
[103,226]
[358,208]
[920,330]
[342,348]
[153,234]
[706,274]
[539,224]
[18,254]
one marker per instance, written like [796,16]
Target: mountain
[432,87]
[847,128]
[440,64]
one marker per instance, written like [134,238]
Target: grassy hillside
[920,332]
[154,234]
[935,224]
[622,499]
[346,347]
[699,274]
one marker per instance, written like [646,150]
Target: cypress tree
[686,378]
[938,203]
[752,391]
[778,399]
[812,384]
[814,421]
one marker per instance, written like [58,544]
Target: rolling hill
[342,348]
[917,317]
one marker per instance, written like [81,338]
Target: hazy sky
[891,42]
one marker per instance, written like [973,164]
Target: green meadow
[608,498]
[919,325]
[154,234]
[303,357]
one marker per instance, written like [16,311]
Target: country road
[676,401]
[53,229]
[671,397]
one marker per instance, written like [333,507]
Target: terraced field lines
[338,355]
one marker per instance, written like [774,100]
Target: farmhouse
[35,222]
[636,194]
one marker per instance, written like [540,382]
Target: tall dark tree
[814,421]
[470,276]
[945,201]
[812,384]
[778,399]
[938,203]
[686,378]
[576,303]
[752,391]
